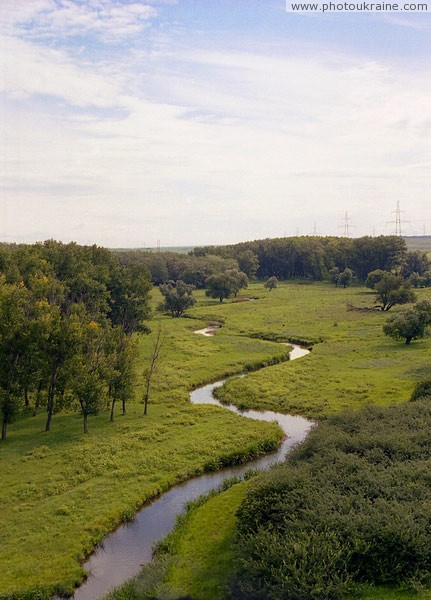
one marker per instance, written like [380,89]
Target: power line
[346,225]
[314,232]
[398,220]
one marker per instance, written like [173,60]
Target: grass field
[62,491]
[353,364]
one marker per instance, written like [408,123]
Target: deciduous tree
[178,297]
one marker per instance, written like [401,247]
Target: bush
[350,506]
[422,390]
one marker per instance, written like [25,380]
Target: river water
[124,551]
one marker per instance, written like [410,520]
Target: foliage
[392,290]
[422,390]
[410,324]
[178,297]
[271,283]
[350,506]
[193,268]
[415,262]
[313,257]
[52,296]
[345,278]
[225,284]
[248,263]
[374,277]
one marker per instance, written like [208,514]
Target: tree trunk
[3,430]
[51,396]
[408,340]
[37,402]
[147,397]
[85,423]
[112,409]
[50,407]
[26,401]
[123,404]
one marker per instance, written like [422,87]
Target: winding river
[124,551]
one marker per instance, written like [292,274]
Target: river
[124,551]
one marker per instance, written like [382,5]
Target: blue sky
[203,122]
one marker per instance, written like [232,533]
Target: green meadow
[63,491]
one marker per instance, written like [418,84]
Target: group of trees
[313,257]
[67,316]
[341,260]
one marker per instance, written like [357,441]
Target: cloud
[109,20]
[198,143]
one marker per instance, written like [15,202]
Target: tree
[8,410]
[238,278]
[177,297]
[334,274]
[223,285]
[391,290]
[248,263]
[129,297]
[374,277]
[152,366]
[415,262]
[88,384]
[345,278]
[271,283]
[417,281]
[120,371]
[410,324]
[14,335]
[219,286]
[59,338]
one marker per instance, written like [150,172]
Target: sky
[132,123]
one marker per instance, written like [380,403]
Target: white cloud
[200,146]
[111,20]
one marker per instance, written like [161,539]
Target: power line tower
[398,220]
[346,225]
[314,232]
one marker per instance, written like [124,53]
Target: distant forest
[285,258]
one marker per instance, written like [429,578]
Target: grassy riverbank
[62,492]
[354,363]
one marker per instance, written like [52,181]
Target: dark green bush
[422,390]
[352,505]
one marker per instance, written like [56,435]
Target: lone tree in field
[177,297]
[345,278]
[223,285]
[271,283]
[392,290]
[410,324]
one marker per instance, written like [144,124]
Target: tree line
[315,258]
[67,318]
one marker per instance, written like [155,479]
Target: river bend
[123,552]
